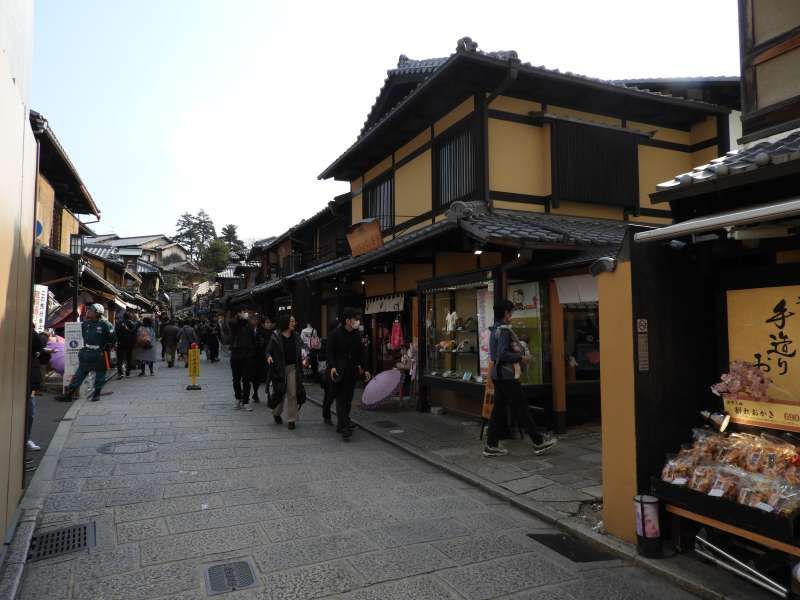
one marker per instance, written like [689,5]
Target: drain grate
[229,577]
[573,548]
[386,424]
[127,447]
[61,541]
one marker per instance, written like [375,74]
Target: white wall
[16,44]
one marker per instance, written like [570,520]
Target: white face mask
[355,323]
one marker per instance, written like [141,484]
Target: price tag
[764,506]
[716,492]
[680,481]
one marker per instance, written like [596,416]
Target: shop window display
[453,335]
[527,324]
[582,341]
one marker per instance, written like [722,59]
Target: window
[55,232]
[595,165]
[456,166]
[379,201]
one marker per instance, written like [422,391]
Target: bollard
[194,367]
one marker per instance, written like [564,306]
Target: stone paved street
[317,517]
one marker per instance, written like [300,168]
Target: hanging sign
[393,303]
[485,299]
[364,236]
[764,329]
[40,297]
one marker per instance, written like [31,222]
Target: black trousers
[124,354]
[241,379]
[508,395]
[327,400]
[342,392]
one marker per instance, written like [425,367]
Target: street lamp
[76,252]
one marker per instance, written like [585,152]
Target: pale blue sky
[235,106]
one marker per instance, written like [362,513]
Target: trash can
[648,531]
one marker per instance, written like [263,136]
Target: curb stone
[569,524]
[31,505]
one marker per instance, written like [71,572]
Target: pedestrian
[508,357]
[186,338]
[126,340]
[243,357]
[327,384]
[211,342]
[344,350]
[144,352]
[258,366]
[284,355]
[98,336]
[39,354]
[163,321]
[169,342]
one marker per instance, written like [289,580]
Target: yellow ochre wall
[516,162]
[69,225]
[45,201]
[617,400]
[407,276]
[412,188]
[448,263]
[378,285]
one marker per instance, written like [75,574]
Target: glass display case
[452,335]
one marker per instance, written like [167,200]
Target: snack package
[784,500]
[756,490]
[682,467]
[668,471]
[708,443]
[702,478]
[734,453]
[754,456]
[778,456]
[726,483]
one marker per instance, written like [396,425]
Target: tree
[215,256]
[195,232]
[230,236]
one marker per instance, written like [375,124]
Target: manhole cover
[127,447]
[573,548]
[386,424]
[61,541]
[229,577]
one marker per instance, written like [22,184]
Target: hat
[98,308]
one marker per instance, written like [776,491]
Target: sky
[235,106]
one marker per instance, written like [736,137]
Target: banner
[527,324]
[40,297]
[73,342]
[485,298]
[764,329]
[380,304]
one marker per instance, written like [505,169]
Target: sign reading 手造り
[764,329]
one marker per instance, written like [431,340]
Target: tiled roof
[692,79]
[134,241]
[142,266]
[228,272]
[736,162]
[537,228]
[102,251]
[466,46]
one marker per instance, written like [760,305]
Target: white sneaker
[31,445]
[490,451]
[248,407]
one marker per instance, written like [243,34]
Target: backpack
[314,342]
[143,338]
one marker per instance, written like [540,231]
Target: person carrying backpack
[144,352]
[125,331]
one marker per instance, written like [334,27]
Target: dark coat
[278,370]
[345,352]
[169,336]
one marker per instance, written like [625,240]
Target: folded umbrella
[381,388]
[56,346]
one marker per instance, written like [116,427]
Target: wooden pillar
[557,362]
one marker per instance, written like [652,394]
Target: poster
[764,329]
[527,324]
[73,342]
[40,298]
[485,298]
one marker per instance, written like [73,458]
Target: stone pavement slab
[317,516]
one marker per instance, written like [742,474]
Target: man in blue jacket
[508,356]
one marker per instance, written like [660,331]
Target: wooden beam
[558,367]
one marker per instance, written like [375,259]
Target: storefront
[706,375]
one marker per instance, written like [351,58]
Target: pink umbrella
[56,347]
[381,388]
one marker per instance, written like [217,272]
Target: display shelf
[732,514]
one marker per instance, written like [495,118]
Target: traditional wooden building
[483,177]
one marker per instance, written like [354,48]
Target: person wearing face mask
[345,360]
[243,357]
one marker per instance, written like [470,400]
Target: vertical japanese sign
[527,324]
[40,296]
[763,329]
[485,298]
[73,342]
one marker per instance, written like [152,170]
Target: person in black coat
[327,386]
[345,360]
[244,355]
[284,355]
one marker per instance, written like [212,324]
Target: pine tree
[230,236]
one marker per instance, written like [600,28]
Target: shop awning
[757,215]
[379,304]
